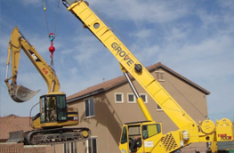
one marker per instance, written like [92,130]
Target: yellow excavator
[54,113]
[150,137]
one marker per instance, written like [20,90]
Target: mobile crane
[54,113]
[153,141]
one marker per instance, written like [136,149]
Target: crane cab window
[134,132]
[124,136]
[150,130]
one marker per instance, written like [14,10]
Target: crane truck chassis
[188,130]
[54,113]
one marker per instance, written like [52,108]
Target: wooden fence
[20,148]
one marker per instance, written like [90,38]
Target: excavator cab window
[42,109]
[62,108]
[53,108]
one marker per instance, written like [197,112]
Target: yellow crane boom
[189,131]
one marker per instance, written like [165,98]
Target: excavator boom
[19,93]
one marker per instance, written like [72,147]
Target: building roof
[107,85]
[13,123]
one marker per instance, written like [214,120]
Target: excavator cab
[53,108]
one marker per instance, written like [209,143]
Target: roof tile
[13,123]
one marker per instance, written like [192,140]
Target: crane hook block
[51,48]
[51,36]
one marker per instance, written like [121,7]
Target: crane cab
[139,136]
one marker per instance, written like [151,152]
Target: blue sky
[194,38]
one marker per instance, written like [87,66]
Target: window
[131,98]
[124,136]
[70,147]
[144,97]
[150,130]
[119,97]
[89,107]
[91,145]
[53,108]
[62,108]
[42,109]
[158,107]
[160,75]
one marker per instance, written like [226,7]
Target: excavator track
[56,136]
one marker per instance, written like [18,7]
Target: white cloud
[227,4]
[151,11]
[143,34]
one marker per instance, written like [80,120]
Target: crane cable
[51,35]
[46,17]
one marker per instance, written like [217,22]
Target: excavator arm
[17,92]
[189,131]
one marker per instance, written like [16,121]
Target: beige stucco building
[105,107]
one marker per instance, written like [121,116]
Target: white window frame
[134,98]
[159,76]
[65,145]
[119,93]
[146,98]
[87,144]
[89,108]
[159,109]
[73,146]
[69,148]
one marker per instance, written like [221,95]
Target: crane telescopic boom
[188,130]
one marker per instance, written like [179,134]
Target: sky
[194,38]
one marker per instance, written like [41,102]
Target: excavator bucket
[20,93]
